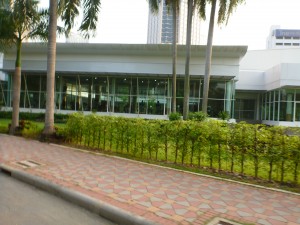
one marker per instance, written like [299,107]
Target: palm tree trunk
[208,56]
[51,57]
[16,90]
[187,61]
[174,11]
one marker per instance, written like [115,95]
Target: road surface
[22,204]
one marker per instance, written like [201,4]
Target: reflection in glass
[120,94]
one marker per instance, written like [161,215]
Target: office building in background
[160,26]
[283,38]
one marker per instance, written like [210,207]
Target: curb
[99,207]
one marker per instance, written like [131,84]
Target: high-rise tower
[160,25]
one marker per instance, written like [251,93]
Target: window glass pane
[276,111]
[216,89]
[100,94]
[297,95]
[214,107]
[194,88]
[271,110]
[180,88]
[297,116]
[283,94]
[121,104]
[143,86]
[286,111]
[276,95]
[32,82]
[122,86]
[267,111]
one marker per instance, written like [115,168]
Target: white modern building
[136,81]
[133,80]
[283,38]
[160,26]
[268,87]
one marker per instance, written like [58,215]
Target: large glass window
[30,91]
[216,98]
[216,89]
[245,109]
[121,94]
[281,105]
[4,92]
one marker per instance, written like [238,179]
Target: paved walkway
[161,195]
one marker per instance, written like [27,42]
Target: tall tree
[226,8]
[51,57]
[192,5]
[68,10]
[173,5]
[19,20]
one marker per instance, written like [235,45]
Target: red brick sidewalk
[162,195]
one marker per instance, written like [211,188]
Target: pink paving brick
[176,197]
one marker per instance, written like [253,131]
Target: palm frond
[200,6]
[154,5]
[232,5]
[68,10]
[39,31]
[7,30]
[90,17]
[222,13]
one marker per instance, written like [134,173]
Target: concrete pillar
[228,95]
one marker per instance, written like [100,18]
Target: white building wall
[269,69]
[250,80]
[128,59]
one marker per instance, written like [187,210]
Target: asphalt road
[22,204]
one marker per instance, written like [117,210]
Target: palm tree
[192,5]
[226,8]
[51,57]
[174,6]
[19,20]
[67,10]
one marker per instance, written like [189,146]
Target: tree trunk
[51,58]
[208,56]
[16,90]
[270,169]
[187,61]
[174,63]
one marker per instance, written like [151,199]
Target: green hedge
[256,150]
[39,117]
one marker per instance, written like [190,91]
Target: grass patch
[34,128]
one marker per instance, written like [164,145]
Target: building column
[228,95]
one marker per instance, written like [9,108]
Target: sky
[125,21]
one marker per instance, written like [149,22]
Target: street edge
[99,207]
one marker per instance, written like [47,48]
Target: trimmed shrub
[198,116]
[174,116]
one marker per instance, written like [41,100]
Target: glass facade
[244,109]
[126,94]
[281,105]
[4,84]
